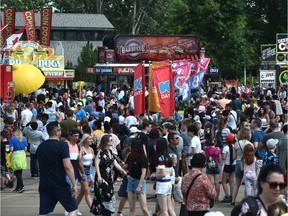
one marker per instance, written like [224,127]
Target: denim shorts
[163,188]
[49,199]
[238,171]
[133,184]
[87,173]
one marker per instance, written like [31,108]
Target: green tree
[87,58]
[21,5]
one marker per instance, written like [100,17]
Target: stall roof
[71,21]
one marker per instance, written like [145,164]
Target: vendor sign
[282,48]
[283,77]
[29,52]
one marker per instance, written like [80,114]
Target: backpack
[219,139]
[212,165]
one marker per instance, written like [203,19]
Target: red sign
[9,20]
[123,70]
[139,89]
[29,21]
[90,70]
[45,26]
[139,48]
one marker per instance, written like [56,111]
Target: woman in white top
[87,159]
[10,111]
[263,115]
[243,139]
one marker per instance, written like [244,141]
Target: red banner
[164,84]
[29,21]
[45,26]
[139,89]
[9,20]
[1,33]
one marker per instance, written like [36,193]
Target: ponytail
[231,153]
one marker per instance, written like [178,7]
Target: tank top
[87,159]
[239,152]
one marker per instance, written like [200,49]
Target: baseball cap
[230,138]
[79,104]
[107,118]
[213,103]
[134,130]
[207,117]
[271,143]
[74,131]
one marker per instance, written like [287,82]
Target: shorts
[238,171]
[87,173]
[163,188]
[213,172]
[49,199]
[133,184]
[229,168]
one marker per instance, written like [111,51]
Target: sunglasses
[274,185]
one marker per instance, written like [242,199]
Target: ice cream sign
[29,52]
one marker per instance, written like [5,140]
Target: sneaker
[230,198]
[226,199]
[66,213]
[21,190]
[15,190]
[79,213]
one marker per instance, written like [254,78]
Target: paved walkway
[27,203]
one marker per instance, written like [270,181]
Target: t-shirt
[136,166]
[226,151]
[50,155]
[26,115]
[274,135]
[130,120]
[17,145]
[282,151]
[195,143]
[67,125]
[270,158]
[74,153]
[257,136]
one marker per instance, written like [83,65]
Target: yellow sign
[29,52]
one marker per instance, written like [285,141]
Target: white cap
[271,143]
[79,104]
[107,118]
[134,130]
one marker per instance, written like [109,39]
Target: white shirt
[121,120]
[227,153]
[26,116]
[130,120]
[131,101]
[195,143]
[232,121]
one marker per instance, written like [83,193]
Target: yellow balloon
[27,78]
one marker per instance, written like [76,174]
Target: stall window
[57,35]
[71,36]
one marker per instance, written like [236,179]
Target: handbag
[183,210]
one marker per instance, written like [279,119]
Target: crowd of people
[225,137]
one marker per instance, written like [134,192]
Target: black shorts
[49,199]
[229,168]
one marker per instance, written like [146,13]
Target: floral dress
[104,200]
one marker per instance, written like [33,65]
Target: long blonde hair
[18,134]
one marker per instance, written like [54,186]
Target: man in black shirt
[55,164]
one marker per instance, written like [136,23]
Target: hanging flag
[204,62]
[196,79]
[164,84]
[14,38]
[29,22]
[9,20]
[180,69]
[45,26]
[194,67]
[185,90]
[153,101]
[139,89]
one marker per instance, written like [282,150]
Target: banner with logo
[139,89]
[153,101]
[180,70]
[164,84]
[45,26]
[9,20]
[197,79]
[29,21]
[185,90]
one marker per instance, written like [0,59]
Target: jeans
[18,174]
[249,184]
[33,165]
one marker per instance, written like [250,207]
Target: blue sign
[213,70]
[105,70]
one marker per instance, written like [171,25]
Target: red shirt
[200,193]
